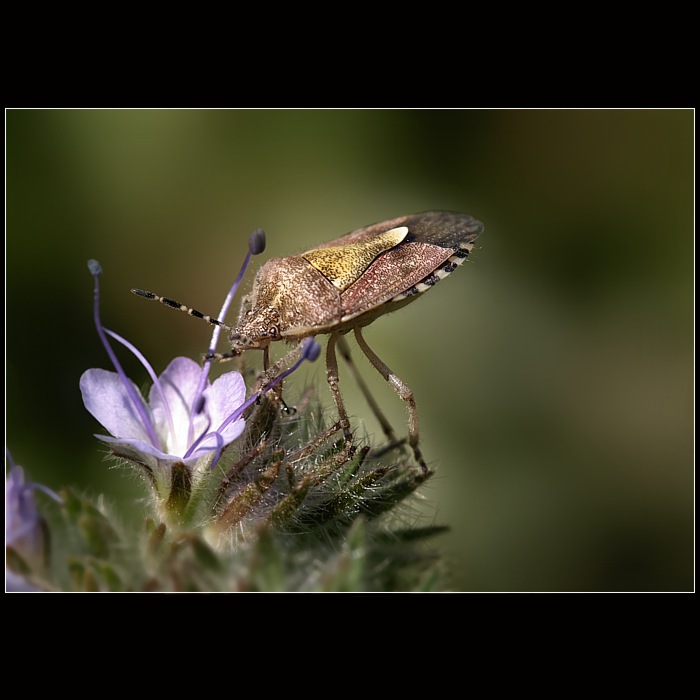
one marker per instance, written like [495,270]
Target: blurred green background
[554,373]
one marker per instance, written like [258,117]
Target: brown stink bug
[343,286]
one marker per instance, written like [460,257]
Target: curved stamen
[196,443]
[310,350]
[45,489]
[136,399]
[241,410]
[151,372]
[18,477]
[256,245]
[219,446]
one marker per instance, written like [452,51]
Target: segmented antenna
[180,307]
[256,245]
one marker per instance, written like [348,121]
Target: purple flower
[22,515]
[186,419]
[25,533]
[179,423]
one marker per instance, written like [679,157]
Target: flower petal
[226,394]
[144,453]
[179,383]
[105,396]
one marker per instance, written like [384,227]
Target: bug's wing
[443,228]
[393,272]
[342,265]
[437,242]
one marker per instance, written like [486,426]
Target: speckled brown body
[345,285]
[341,286]
[352,280]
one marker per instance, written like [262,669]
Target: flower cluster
[187,421]
[246,494]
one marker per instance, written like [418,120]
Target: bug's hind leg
[403,391]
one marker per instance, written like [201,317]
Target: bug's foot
[349,444]
[419,458]
[288,410]
[425,473]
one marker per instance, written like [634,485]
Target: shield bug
[343,286]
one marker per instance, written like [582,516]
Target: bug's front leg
[277,389]
[271,371]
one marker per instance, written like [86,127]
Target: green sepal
[346,572]
[353,466]
[179,494]
[98,534]
[189,566]
[344,504]
[289,505]
[204,554]
[156,536]
[76,569]
[266,571]
[106,576]
[243,502]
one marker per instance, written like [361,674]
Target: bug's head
[257,329]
